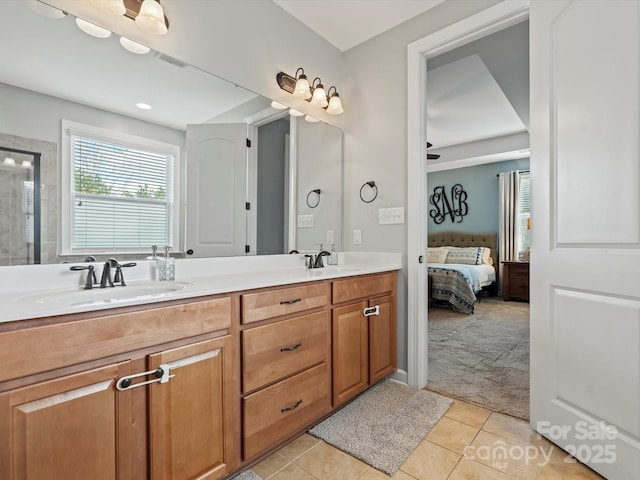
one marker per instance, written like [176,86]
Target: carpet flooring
[482,358]
[383,425]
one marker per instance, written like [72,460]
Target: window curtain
[509,209]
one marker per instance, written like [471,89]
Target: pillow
[437,254]
[468,255]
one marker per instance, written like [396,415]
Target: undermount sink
[73,297]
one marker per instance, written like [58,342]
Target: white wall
[375,123]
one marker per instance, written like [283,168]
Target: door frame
[493,19]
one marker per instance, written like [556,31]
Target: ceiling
[347,23]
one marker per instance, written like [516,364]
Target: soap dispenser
[333,258]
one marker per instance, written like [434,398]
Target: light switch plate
[357,237]
[305,221]
[330,237]
[391,216]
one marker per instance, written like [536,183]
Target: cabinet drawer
[275,412]
[279,349]
[361,287]
[282,301]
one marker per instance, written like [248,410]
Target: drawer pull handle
[291,348]
[290,302]
[292,407]
[367,312]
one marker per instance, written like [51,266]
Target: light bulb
[114,7]
[91,29]
[319,98]
[335,105]
[310,119]
[151,18]
[134,47]
[277,105]
[295,113]
[302,89]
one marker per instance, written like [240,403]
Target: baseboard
[400,376]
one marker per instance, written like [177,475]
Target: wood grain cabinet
[515,281]
[364,333]
[122,419]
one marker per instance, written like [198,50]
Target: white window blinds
[122,195]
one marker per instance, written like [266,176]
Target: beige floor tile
[470,470]
[292,472]
[373,474]
[430,462]
[512,428]
[328,463]
[467,413]
[270,465]
[300,445]
[563,466]
[451,434]
[505,455]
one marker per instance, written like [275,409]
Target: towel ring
[317,192]
[372,185]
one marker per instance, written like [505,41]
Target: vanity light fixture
[310,119]
[299,87]
[114,7]
[295,113]
[8,161]
[151,19]
[26,164]
[44,9]
[92,29]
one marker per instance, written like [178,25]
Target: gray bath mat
[383,425]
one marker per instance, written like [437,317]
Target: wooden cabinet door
[350,352]
[74,427]
[382,339]
[191,415]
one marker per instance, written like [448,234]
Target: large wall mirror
[56,82]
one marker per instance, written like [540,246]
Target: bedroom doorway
[492,20]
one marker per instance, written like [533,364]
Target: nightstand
[515,281]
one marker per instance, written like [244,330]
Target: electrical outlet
[305,221]
[357,237]
[391,216]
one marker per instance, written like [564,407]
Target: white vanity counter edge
[25,288]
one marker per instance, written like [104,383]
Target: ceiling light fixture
[299,87]
[134,47]
[92,29]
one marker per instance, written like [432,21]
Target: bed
[458,285]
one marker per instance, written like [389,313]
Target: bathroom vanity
[197,382]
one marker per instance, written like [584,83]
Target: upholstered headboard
[458,239]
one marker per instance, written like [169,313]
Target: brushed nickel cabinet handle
[291,348]
[290,302]
[292,407]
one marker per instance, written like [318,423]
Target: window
[524,196]
[122,191]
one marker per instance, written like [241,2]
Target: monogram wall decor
[455,206]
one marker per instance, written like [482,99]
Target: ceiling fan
[431,156]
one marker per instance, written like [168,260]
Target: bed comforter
[457,284]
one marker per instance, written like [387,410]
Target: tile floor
[440,456]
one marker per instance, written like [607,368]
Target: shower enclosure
[20,207]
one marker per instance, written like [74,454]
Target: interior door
[216,190]
[585,291]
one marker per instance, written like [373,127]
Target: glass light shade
[134,47]
[44,9]
[335,105]
[302,89]
[310,119]
[9,161]
[114,7]
[277,105]
[151,18]
[319,98]
[295,113]
[91,29]
[26,164]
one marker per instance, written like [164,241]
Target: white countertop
[37,291]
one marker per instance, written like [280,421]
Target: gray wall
[481,184]
[271,187]
[375,123]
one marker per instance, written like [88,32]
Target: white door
[585,283]
[216,190]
